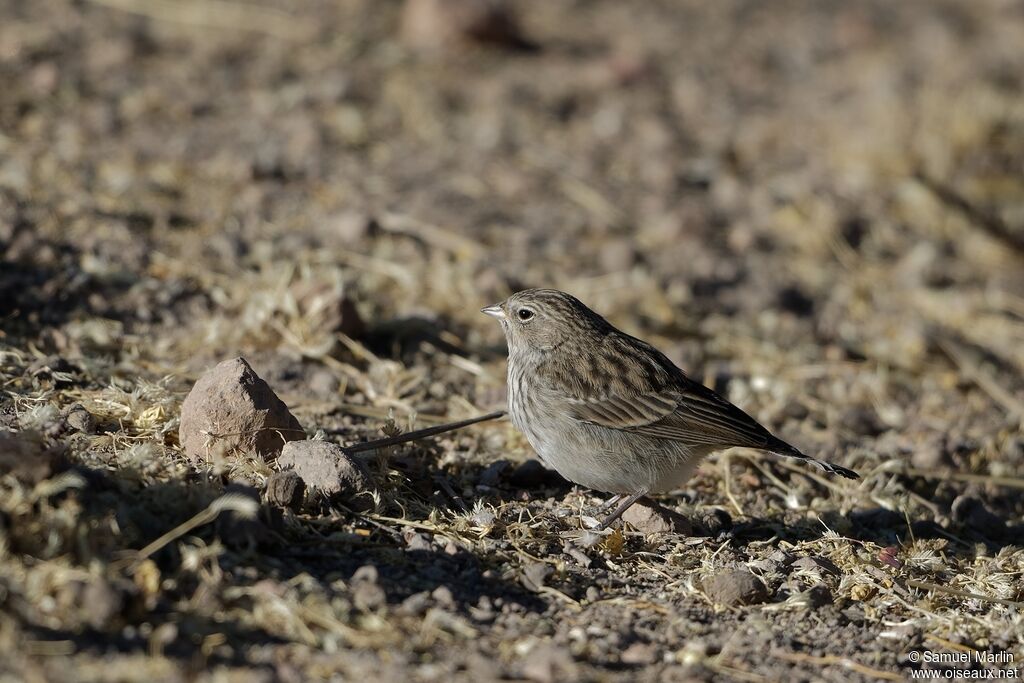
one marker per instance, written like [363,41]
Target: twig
[420,433]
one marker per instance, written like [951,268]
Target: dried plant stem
[421,433]
[230,501]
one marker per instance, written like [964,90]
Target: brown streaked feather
[637,389]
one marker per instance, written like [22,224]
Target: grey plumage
[609,411]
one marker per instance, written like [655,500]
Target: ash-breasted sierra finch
[609,411]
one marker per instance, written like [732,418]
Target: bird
[611,412]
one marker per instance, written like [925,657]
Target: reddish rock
[232,411]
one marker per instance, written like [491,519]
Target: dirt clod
[231,410]
[734,587]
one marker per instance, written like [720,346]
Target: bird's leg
[623,506]
[610,502]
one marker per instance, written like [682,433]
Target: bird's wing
[649,395]
[693,414]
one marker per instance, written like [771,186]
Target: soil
[817,208]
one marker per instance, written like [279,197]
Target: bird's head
[544,319]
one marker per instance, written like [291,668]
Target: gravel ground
[816,208]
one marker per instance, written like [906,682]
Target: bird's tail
[780,447]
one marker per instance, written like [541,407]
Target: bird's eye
[525,314]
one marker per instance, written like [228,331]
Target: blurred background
[815,207]
[839,174]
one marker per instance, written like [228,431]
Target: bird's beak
[494,310]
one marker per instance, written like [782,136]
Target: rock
[532,474]
[285,489]
[733,587]
[79,419]
[433,25]
[656,520]
[231,401]
[325,468]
